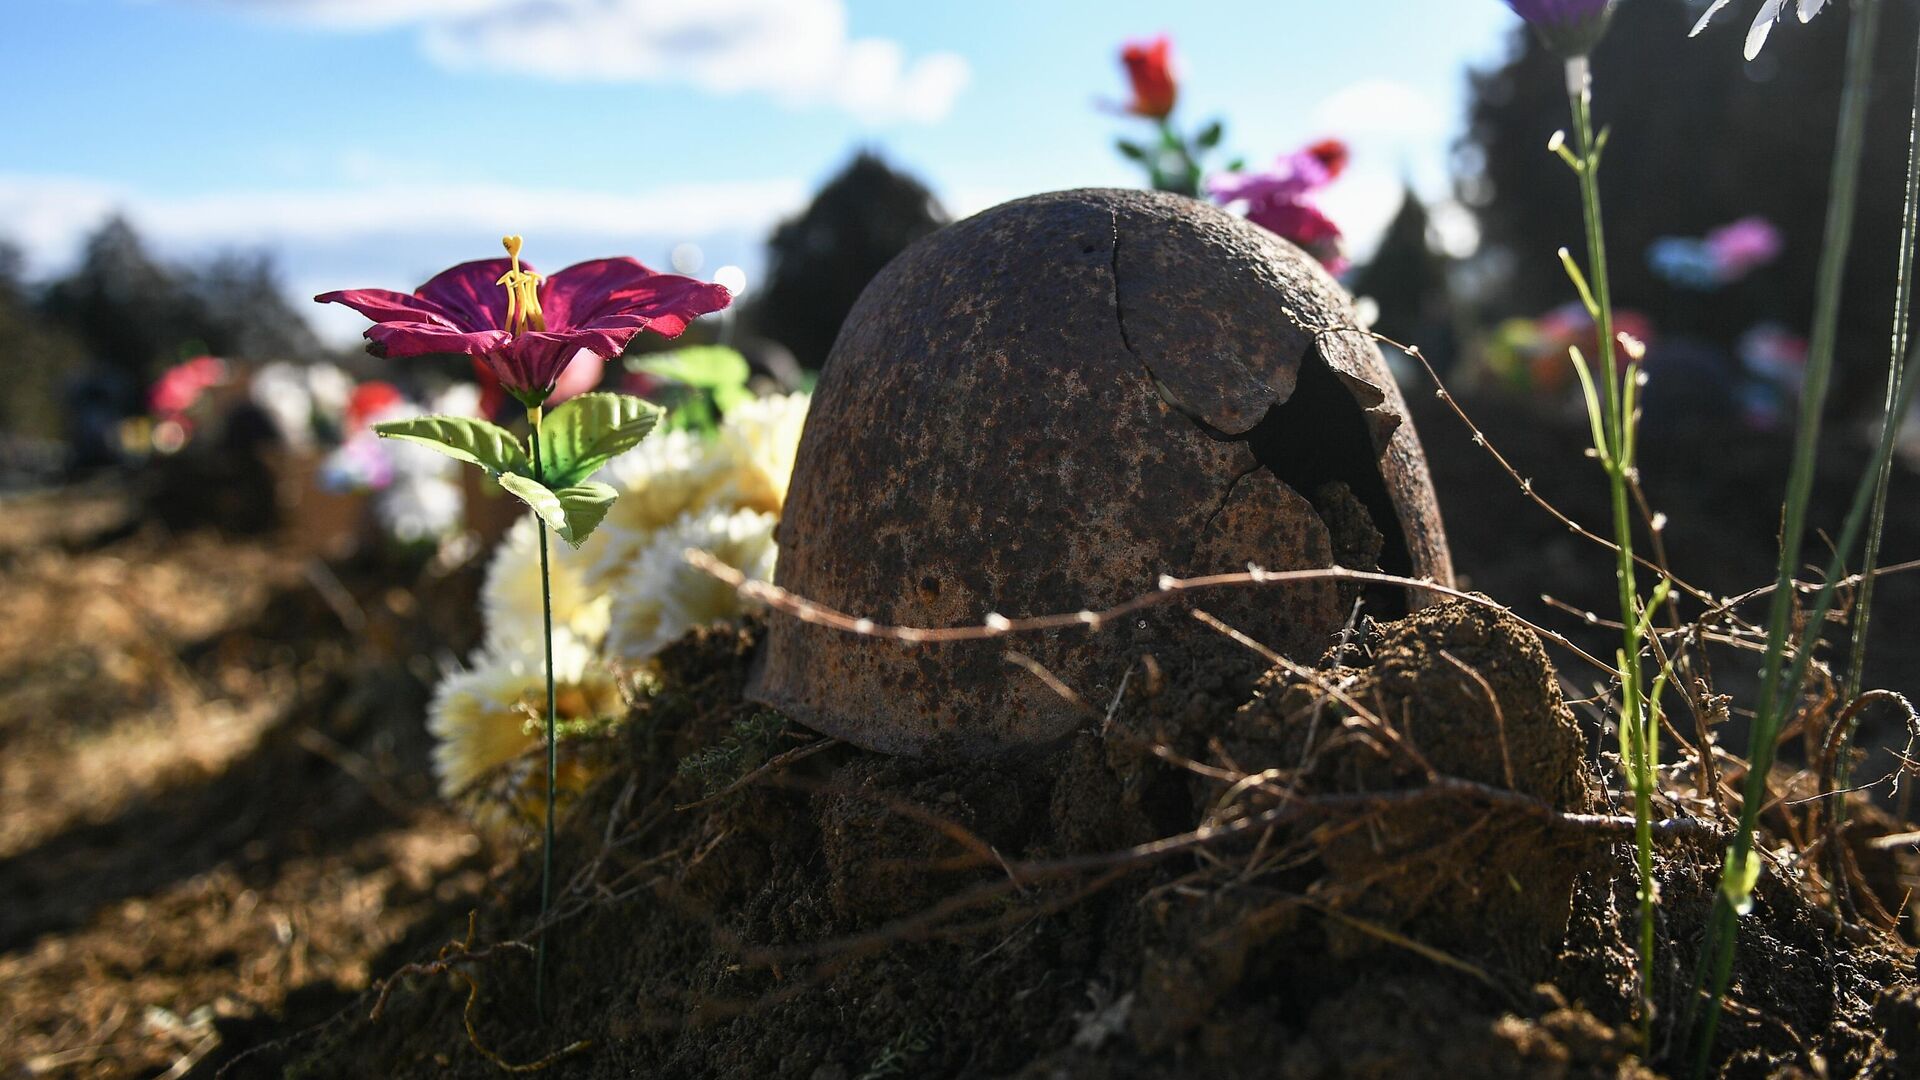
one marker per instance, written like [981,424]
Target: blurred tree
[1700,138]
[246,310]
[820,261]
[40,359]
[1408,280]
[138,315]
[12,271]
[133,314]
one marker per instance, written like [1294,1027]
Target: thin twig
[1170,589]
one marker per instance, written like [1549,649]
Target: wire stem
[546,616]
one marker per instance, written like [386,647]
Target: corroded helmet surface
[1044,408]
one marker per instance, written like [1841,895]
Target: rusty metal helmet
[1045,407]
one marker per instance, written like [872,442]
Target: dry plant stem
[1616,426]
[546,638]
[1170,589]
[1779,688]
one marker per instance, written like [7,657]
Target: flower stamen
[523,291]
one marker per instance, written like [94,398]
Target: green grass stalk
[1614,416]
[1902,319]
[1780,682]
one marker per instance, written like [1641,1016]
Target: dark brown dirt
[216,806]
[854,915]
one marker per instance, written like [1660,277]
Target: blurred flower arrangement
[1723,257]
[1281,198]
[415,492]
[1174,161]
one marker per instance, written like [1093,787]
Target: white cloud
[800,52]
[52,214]
[1381,107]
[394,235]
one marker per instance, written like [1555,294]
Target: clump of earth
[1402,863]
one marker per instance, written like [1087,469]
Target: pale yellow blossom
[663,597]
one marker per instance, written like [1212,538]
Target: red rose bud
[1331,153]
[1150,69]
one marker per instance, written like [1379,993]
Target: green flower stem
[1779,683]
[1187,182]
[1617,456]
[546,615]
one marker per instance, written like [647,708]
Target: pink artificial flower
[1744,246]
[526,330]
[1280,199]
[180,386]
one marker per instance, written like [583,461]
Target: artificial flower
[1149,67]
[1570,28]
[371,399]
[663,478]
[763,436]
[663,597]
[1723,257]
[527,329]
[487,721]
[510,596]
[418,507]
[1770,13]
[179,387]
[1744,246]
[1280,199]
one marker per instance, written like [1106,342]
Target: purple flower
[1568,27]
[524,330]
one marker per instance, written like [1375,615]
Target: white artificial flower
[280,388]
[510,598]
[666,476]
[459,399]
[418,507]
[1770,12]
[761,437]
[490,715]
[331,389]
[663,597]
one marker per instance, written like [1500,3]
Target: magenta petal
[399,339]
[622,294]
[470,293]
[385,305]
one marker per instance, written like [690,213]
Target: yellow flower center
[523,291]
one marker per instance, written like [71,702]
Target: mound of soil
[1401,864]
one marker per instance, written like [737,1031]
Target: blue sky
[369,142]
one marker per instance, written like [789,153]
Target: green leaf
[1209,136]
[571,512]
[462,438]
[1131,150]
[588,431]
[707,367]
